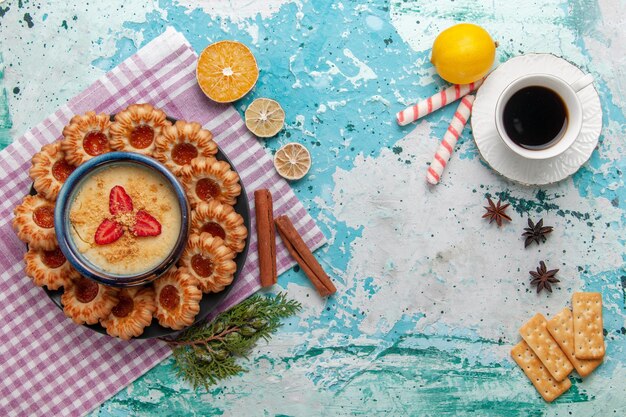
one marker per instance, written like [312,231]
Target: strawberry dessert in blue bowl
[122,219]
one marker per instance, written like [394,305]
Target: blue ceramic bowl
[62,224]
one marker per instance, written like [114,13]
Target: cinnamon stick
[303,255]
[266,237]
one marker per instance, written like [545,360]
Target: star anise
[496,212]
[543,278]
[535,232]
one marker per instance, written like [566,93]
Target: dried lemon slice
[226,71]
[264,117]
[292,161]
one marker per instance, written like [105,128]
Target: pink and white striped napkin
[50,366]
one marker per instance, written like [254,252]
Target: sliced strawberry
[146,225]
[119,201]
[108,232]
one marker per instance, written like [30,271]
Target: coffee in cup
[539,116]
[535,117]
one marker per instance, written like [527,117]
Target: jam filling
[124,307]
[43,217]
[141,137]
[183,153]
[203,266]
[207,189]
[214,229]
[169,297]
[86,290]
[53,258]
[61,170]
[95,143]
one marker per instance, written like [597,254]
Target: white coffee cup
[567,92]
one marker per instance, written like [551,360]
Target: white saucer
[508,163]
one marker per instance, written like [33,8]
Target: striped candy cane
[435,102]
[450,138]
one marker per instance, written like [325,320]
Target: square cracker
[561,327]
[545,385]
[588,333]
[536,334]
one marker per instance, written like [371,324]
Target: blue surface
[429,296]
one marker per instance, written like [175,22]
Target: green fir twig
[207,352]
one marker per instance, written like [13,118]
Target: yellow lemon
[463,53]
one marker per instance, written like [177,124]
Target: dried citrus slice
[264,117]
[226,71]
[292,161]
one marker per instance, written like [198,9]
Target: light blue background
[342,70]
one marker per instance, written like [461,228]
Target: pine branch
[206,353]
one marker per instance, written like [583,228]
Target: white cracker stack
[552,349]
